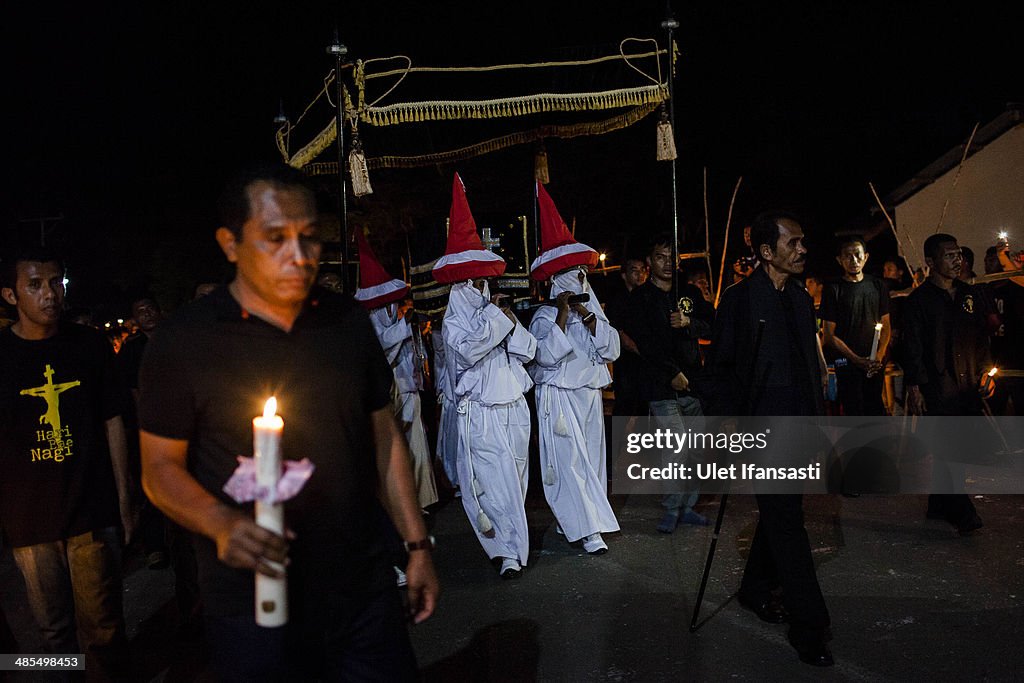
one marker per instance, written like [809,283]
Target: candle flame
[270,407]
[992,372]
[878,327]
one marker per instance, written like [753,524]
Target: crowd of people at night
[106,442]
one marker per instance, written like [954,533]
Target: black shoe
[769,609]
[970,523]
[812,650]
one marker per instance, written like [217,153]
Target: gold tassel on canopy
[358,169]
[540,166]
[666,138]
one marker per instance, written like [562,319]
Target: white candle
[874,342]
[271,594]
[988,379]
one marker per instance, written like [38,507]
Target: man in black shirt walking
[945,354]
[65,467]
[667,333]
[851,307]
[203,379]
[627,366]
[780,377]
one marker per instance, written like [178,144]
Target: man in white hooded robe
[485,350]
[575,343]
[380,294]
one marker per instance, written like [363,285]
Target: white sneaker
[510,568]
[595,545]
[400,577]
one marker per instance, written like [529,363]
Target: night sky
[126,119]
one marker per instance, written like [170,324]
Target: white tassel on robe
[483,522]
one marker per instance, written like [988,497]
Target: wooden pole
[725,244]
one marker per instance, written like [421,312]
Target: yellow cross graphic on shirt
[49,392]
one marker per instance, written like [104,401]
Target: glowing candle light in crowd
[874,341]
[988,379]
[271,593]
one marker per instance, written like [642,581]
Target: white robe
[485,353]
[447,432]
[396,338]
[570,370]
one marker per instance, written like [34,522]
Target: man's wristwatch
[423,544]
[588,317]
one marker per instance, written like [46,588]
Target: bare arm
[626,342]
[822,365]
[118,445]
[1011,262]
[840,347]
[399,497]
[885,337]
[241,543]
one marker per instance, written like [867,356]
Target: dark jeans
[858,393]
[780,556]
[945,397]
[369,642]
[77,581]
[678,414]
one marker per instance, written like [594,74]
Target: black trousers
[780,556]
[858,393]
[943,396]
[368,641]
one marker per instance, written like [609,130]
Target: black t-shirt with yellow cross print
[56,394]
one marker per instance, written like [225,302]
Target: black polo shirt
[208,371]
[946,344]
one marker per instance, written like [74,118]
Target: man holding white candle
[204,378]
[855,314]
